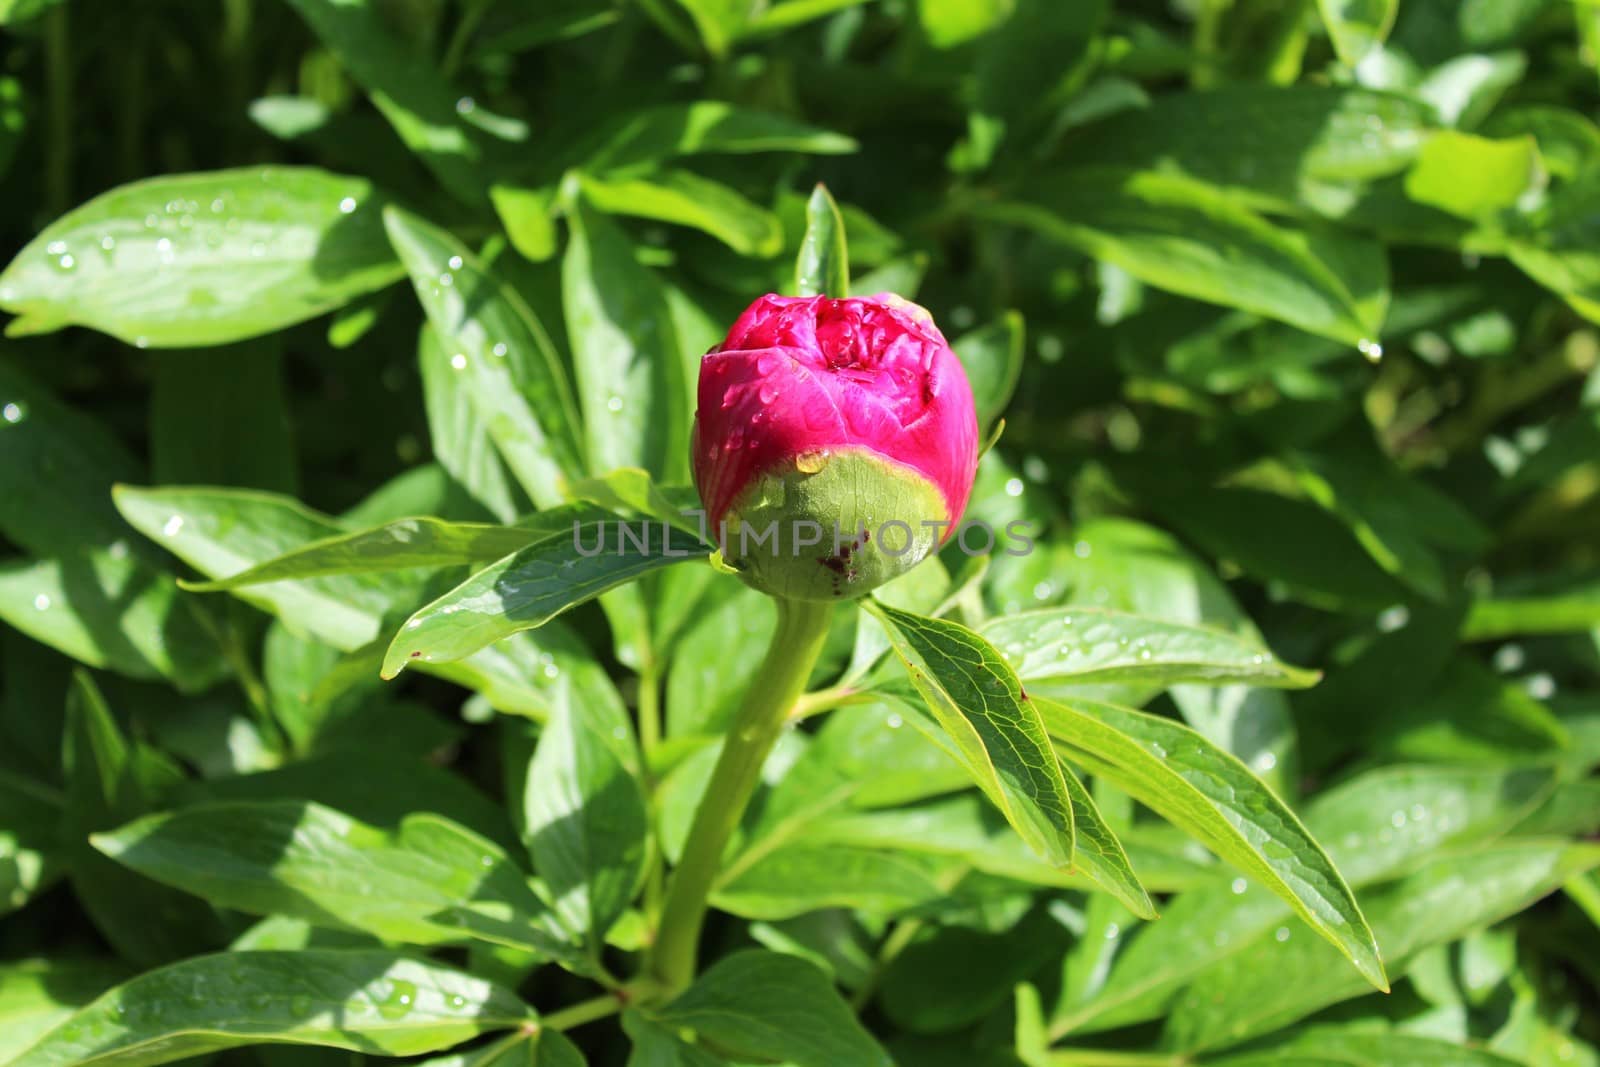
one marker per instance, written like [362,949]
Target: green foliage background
[1290,311]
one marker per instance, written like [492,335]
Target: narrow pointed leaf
[221,532]
[529,588]
[376,1002]
[632,388]
[511,373]
[404,544]
[823,266]
[1208,793]
[993,728]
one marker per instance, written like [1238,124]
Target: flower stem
[802,628]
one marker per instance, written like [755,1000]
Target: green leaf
[527,589]
[585,818]
[366,1001]
[685,198]
[461,442]
[1356,27]
[112,611]
[1178,234]
[1378,825]
[404,544]
[1211,795]
[992,357]
[965,827]
[37,994]
[1473,176]
[704,127]
[202,259]
[426,112]
[766,1006]
[424,884]
[655,1045]
[715,659]
[221,532]
[511,375]
[631,385]
[823,265]
[1244,995]
[994,730]
[1287,148]
[57,467]
[1089,646]
[1100,854]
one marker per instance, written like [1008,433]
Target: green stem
[802,628]
[649,709]
[586,1011]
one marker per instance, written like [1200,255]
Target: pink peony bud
[847,427]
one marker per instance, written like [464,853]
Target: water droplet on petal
[459,361]
[1372,350]
[1239,885]
[1014,487]
[499,349]
[614,404]
[1281,935]
[42,602]
[346,206]
[172,526]
[454,262]
[13,413]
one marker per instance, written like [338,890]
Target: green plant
[322,739]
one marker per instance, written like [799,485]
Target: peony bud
[835,443]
